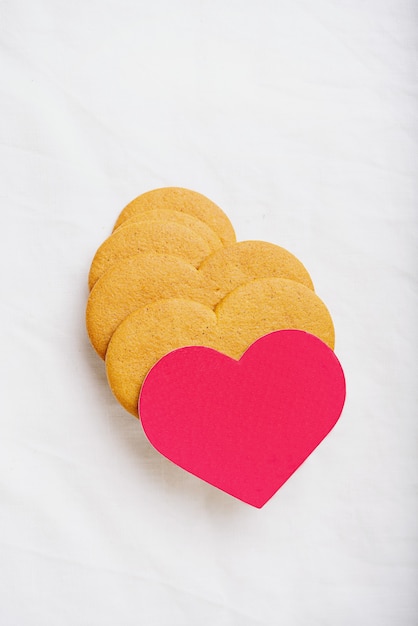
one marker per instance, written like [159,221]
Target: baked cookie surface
[246,314]
[184,200]
[148,237]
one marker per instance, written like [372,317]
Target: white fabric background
[299,119]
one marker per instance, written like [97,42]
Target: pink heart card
[244,426]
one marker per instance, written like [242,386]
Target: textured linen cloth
[299,119]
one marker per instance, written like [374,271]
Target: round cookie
[190,221]
[244,261]
[148,237]
[184,200]
[135,282]
[147,335]
[262,306]
[247,313]
[122,289]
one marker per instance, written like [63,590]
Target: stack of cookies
[173,275]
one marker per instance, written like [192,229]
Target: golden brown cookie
[148,237]
[184,200]
[135,282]
[147,335]
[249,260]
[262,306]
[164,280]
[247,313]
[190,221]
[222,272]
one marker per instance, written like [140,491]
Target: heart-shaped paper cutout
[244,426]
